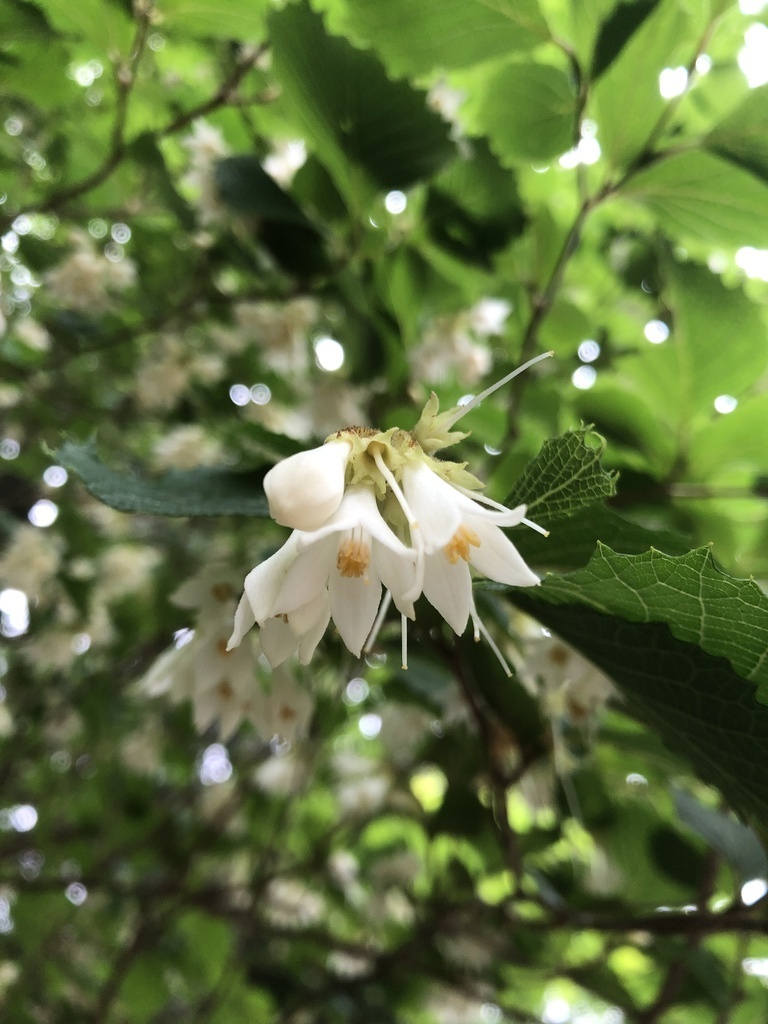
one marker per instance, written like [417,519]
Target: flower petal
[354,603]
[307,576]
[244,620]
[497,557]
[434,504]
[358,509]
[278,641]
[313,636]
[305,489]
[448,588]
[398,575]
[263,583]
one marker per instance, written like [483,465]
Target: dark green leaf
[702,605]
[616,31]
[194,492]
[245,186]
[352,114]
[697,703]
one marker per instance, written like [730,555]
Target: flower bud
[305,489]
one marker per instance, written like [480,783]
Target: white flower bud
[305,489]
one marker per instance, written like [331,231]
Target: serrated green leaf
[527,110]
[700,196]
[702,709]
[616,30]
[195,492]
[414,39]
[626,101]
[702,605]
[564,477]
[351,113]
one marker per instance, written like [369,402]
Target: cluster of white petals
[376,519]
[225,686]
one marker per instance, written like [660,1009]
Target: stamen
[485,500]
[480,629]
[383,609]
[416,537]
[464,409]
[404,639]
[353,558]
[459,544]
[536,527]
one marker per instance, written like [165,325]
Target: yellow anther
[353,558]
[459,544]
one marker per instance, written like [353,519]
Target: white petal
[312,637]
[305,618]
[448,588]
[354,603]
[278,641]
[263,583]
[307,576]
[398,575]
[434,503]
[498,558]
[305,489]
[244,620]
[358,508]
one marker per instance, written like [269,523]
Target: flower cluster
[370,510]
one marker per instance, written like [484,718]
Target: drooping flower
[225,686]
[336,570]
[377,507]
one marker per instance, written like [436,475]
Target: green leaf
[527,110]
[701,708]
[616,31]
[734,841]
[699,196]
[351,113]
[245,186]
[564,477]
[626,101]
[414,39]
[193,492]
[101,22]
[572,541]
[706,318]
[738,439]
[702,605]
[742,135]
[243,22]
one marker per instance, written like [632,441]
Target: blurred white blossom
[86,280]
[31,559]
[206,146]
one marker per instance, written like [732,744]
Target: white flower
[336,570]
[287,157]
[353,504]
[225,685]
[457,531]
[319,473]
